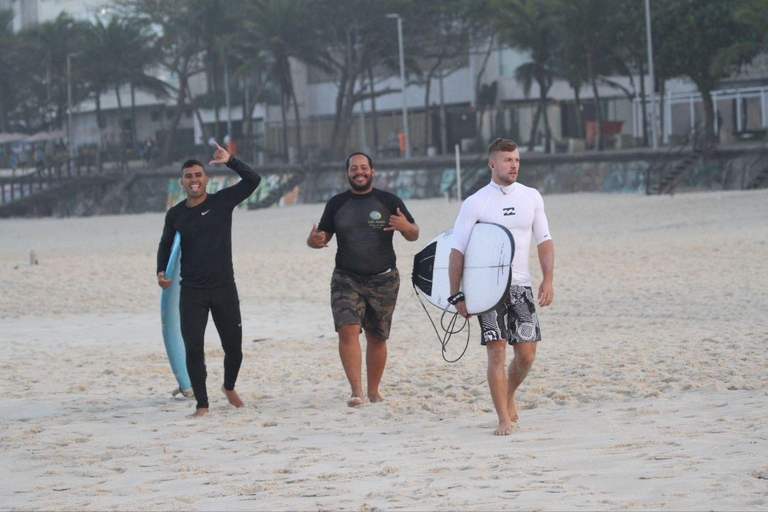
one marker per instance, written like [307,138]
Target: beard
[360,188]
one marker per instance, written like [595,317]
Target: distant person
[149,148]
[207,276]
[23,160]
[365,282]
[520,209]
[39,158]
[13,160]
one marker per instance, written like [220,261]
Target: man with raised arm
[365,281]
[207,276]
[520,209]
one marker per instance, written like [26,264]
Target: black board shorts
[514,319]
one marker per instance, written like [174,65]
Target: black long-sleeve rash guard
[206,233]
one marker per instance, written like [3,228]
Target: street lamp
[402,80]
[654,131]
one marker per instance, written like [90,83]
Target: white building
[741,109]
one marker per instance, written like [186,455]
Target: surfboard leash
[449,330]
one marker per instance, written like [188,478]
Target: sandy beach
[650,388]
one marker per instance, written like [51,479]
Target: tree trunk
[427,115]
[343,119]
[3,115]
[171,135]
[297,118]
[579,120]
[374,119]
[283,108]
[133,115]
[120,116]
[543,90]
[98,116]
[199,117]
[443,119]
[335,133]
[599,145]
[643,104]
[534,128]
[427,106]
[478,81]
[709,121]
[251,104]
[215,80]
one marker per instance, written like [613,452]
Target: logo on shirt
[206,211]
[509,211]
[377,220]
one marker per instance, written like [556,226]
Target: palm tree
[52,41]
[6,69]
[526,25]
[570,66]
[117,53]
[755,16]
[588,27]
[140,53]
[273,29]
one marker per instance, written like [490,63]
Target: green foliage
[688,35]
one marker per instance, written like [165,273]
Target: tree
[100,62]
[755,16]
[176,20]
[588,26]
[349,38]
[689,35]
[441,48]
[7,83]
[527,26]
[277,31]
[48,45]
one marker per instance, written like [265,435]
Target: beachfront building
[456,113]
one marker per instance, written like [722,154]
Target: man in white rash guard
[521,210]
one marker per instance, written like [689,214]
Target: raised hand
[220,156]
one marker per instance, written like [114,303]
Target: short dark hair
[191,163]
[501,145]
[370,161]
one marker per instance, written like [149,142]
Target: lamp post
[654,129]
[402,80]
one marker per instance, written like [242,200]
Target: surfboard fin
[187,393]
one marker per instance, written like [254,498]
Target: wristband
[455,299]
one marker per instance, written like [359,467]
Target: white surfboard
[487,268]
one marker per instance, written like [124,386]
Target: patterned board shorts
[367,301]
[514,320]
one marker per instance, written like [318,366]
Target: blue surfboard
[171,319]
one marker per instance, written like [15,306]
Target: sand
[649,390]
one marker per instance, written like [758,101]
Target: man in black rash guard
[207,275]
[365,281]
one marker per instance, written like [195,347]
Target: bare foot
[355,401]
[505,429]
[199,413]
[233,397]
[375,398]
[512,410]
